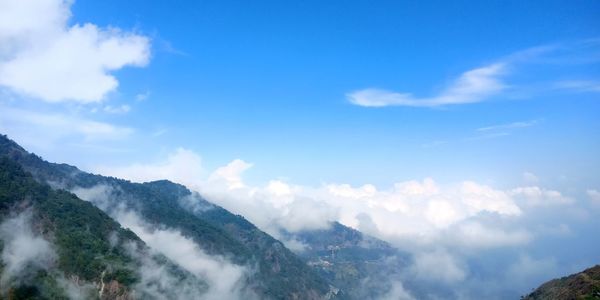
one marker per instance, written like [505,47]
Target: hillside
[56,246]
[363,267]
[279,273]
[581,286]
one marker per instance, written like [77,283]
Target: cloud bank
[456,234]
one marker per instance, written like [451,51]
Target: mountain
[277,273]
[56,246]
[581,286]
[361,266]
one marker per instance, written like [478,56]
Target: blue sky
[268,81]
[465,133]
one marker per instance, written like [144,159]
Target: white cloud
[42,129]
[43,57]
[452,232]
[121,109]
[397,292]
[481,84]
[529,177]
[475,235]
[536,196]
[417,209]
[158,281]
[472,86]
[513,125]
[183,166]
[594,196]
[580,85]
[438,266]
[159,132]
[484,198]
[225,280]
[23,251]
[142,96]
[345,190]
[441,226]
[231,174]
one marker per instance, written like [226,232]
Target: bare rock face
[114,290]
[584,286]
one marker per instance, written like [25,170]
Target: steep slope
[279,274]
[275,261]
[581,286]
[363,267]
[63,247]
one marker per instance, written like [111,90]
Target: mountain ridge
[280,274]
[61,226]
[584,285]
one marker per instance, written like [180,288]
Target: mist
[223,278]
[24,252]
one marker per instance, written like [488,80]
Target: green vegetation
[580,286]
[280,274]
[79,231]
[360,265]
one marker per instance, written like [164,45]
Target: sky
[474,114]
[278,84]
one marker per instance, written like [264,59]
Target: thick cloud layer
[466,239]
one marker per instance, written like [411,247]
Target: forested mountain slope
[56,246]
[277,273]
[363,267]
[581,286]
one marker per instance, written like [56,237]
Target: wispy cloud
[509,126]
[120,109]
[580,85]
[159,132]
[500,130]
[484,83]
[487,136]
[23,250]
[471,86]
[47,129]
[594,196]
[62,125]
[434,144]
[142,96]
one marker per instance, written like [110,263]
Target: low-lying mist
[224,279]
